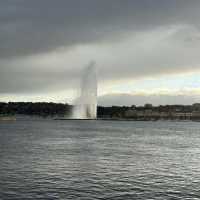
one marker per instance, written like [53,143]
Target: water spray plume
[86,105]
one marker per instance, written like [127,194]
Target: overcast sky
[144,50]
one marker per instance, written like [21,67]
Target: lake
[47,159]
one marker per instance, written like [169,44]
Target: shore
[7,118]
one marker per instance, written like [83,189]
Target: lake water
[46,159]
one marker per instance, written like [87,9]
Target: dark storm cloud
[31,27]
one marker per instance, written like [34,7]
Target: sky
[146,51]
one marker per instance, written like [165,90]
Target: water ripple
[100,160]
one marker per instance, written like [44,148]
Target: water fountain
[86,104]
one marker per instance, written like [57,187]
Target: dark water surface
[99,160]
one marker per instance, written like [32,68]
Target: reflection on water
[99,160]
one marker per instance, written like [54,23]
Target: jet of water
[86,104]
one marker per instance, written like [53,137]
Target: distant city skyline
[146,51]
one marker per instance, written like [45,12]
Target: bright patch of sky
[169,85]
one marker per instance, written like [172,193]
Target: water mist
[86,105]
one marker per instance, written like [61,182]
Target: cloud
[142,99]
[140,55]
[31,27]
[44,45]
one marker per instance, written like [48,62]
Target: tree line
[60,109]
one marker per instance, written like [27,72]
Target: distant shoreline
[148,112]
[131,120]
[7,118]
[31,117]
